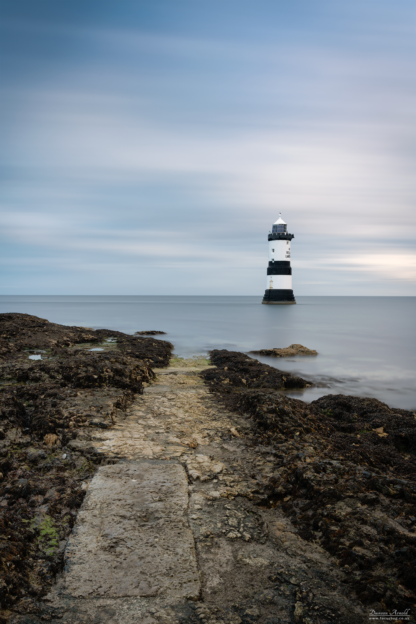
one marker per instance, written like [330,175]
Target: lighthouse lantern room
[279,272]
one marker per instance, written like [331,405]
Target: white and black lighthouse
[279,272]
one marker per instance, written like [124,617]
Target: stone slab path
[132,536]
[174,530]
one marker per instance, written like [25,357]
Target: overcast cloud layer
[147,147]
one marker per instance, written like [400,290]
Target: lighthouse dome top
[279,226]
[280,220]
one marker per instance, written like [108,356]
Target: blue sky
[147,147]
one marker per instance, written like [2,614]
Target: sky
[147,146]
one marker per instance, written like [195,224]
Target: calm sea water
[366,345]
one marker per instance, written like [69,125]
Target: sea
[366,345]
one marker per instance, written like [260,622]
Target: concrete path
[132,536]
[173,532]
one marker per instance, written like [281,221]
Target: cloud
[392,263]
[179,149]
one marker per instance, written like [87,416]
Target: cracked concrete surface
[132,536]
[174,530]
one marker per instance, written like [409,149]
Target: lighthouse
[279,272]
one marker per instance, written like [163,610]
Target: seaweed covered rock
[24,331]
[12,413]
[157,353]
[293,349]
[88,370]
[49,408]
[150,350]
[344,471]
[237,370]
[366,429]
[39,501]
[83,370]
[277,414]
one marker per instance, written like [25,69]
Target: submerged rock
[293,349]
[151,332]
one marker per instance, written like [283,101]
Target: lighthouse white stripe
[279,250]
[278,282]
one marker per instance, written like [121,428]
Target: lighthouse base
[278,297]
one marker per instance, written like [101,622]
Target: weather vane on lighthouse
[279,272]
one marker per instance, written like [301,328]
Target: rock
[35,455]
[19,332]
[293,349]
[203,468]
[4,445]
[146,590]
[253,561]
[79,445]
[100,424]
[254,611]
[151,332]
[12,412]
[298,612]
[213,495]
[51,439]
[233,535]
[24,331]
[236,370]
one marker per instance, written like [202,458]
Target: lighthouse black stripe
[279,271]
[280,236]
[278,295]
[279,263]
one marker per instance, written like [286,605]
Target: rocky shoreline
[344,473]
[341,469]
[48,409]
